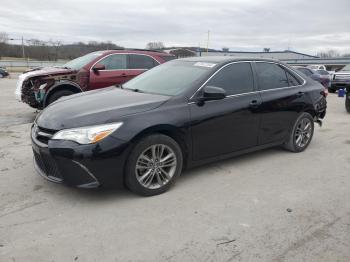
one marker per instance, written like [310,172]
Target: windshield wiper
[134,90]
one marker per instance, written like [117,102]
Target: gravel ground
[270,205]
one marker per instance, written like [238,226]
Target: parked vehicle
[321,76]
[144,134]
[341,79]
[42,86]
[347,100]
[317,67]
[3,72]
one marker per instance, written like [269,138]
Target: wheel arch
[168,130]
[62,86]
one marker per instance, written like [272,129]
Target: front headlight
[87,135]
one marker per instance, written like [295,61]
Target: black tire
[331,90]
[58,94]
[347,102]
[292,144]
[132,176]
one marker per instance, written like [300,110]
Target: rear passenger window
[305,71]
[293,81]
[141,62]
[235,79]
[271,76]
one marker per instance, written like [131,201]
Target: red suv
[42,86]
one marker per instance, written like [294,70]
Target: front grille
[47,165]
[43,135]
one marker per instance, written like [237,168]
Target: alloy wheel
[156,166]
[303,132]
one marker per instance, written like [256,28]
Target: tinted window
[271,76]
[305,71]
[293,81]
[113,62]
[235,79]
[141,62]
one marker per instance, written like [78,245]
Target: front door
[231,124]
[115,72]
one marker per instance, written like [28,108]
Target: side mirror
[212,93]
[98,67]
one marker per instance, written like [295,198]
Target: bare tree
[328,53]
[266,49]
[155,45]
[4,37]
[3,43]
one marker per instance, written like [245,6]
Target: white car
[317,67]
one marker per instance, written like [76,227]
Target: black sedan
[180,114]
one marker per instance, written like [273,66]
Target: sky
[306,26]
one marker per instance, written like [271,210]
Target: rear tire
[331,90]
[57,95]
[347,102]
[301,133]
[153,165]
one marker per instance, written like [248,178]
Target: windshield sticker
[205,64]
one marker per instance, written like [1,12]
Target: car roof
[225,59]
[136,51]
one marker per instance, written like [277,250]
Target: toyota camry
[181,114]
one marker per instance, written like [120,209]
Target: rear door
[283,97]
[231,124]
[114,73]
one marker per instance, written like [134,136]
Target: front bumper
[84,166]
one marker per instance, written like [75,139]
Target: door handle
[123,75]
[254,103]
[300,94]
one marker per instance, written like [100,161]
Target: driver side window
[235,78]
[114,62]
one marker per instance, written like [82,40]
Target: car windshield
[322,72]
[170,78]
[80,62]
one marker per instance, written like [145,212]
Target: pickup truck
[341,79]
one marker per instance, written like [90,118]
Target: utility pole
[208,41]
[22,40]
[23,48]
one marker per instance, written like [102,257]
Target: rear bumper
[336,84]
[83,166]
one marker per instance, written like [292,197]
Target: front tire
[57,95]
[301,134]
[153,165]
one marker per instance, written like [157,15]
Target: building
[278,55]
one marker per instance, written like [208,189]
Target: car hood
[96,107]
[46,71]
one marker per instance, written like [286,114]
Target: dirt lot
[235,210]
